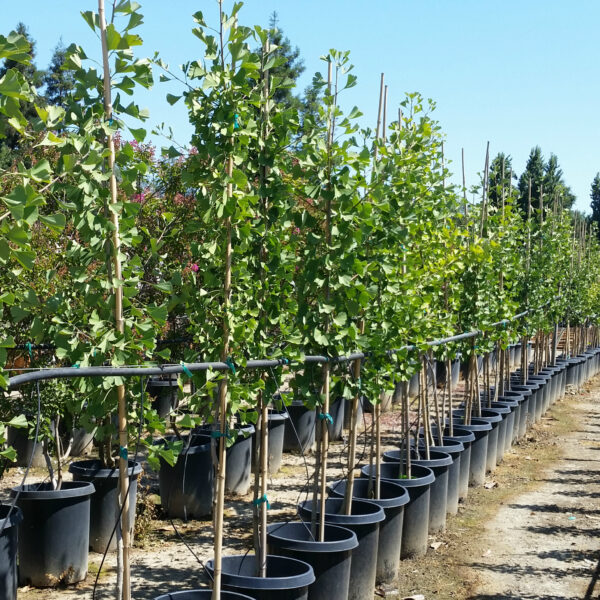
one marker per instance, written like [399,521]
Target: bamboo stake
[450,407]
[264,416]
[357,363]
[484,190]
[119,323]
[223,387]
[464,184]
[320,481]
[405,466]
[425,408]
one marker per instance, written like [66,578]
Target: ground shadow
[554,508]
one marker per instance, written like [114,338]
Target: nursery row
[395,506]
[272,235]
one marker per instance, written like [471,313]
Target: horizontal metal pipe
[72,372]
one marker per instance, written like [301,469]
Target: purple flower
[194,267]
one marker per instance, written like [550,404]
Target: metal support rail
[72,372]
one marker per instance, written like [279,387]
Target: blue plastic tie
[230,364]
[75,366]
[262,500]
[29,349]
[186,370]
[236,121]
[123,453]
[327,417]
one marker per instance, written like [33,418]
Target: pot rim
[340,545]
[69,489]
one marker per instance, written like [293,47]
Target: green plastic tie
[327,417]
[230,364]
[215,434]
[29,349]
[186,370]
[123,453]
[262,500]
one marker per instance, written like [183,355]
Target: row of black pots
[411,499]
[56,528]
[433,490]
[81,443]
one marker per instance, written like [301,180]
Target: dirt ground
[531,532]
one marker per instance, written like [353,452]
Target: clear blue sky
[516,73]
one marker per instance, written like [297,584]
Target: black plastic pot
[456,451]
[416,512]
[534,399]
[524,418]
[82,442]
[385,402]
[518,398]
[238,474]
[542,396]
[441,371]
[337,411]
[513,406]
[164,395]
[479,447]
[104,506]
[330,559]
[466,438]
[287,578]
[277,425]
[201,594]
[186,489]
[506,423]
[299,433]
[495,420]
[347,416]
[364,522]
[8,550]
[24,447]
[54,534]
[439,463]
[392,498]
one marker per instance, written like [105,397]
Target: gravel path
[546,543]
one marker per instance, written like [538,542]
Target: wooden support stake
[119,323]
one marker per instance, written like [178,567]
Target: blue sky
[514,73]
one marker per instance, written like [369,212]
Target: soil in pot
[392,498]
[9,522]
[54,534]
[416,512]
[330,559]
[104,506]
[186,489]
[287,578]
[364,522]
